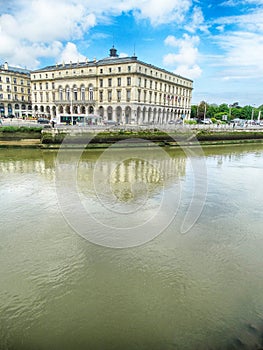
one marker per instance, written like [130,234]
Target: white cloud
[196,22]
[167,11]
[186,57]
[243,54]
[70,53]
[123,54]
[44,22]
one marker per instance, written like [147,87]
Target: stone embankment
[100,137]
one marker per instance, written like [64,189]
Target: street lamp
[252,113]
[230,106]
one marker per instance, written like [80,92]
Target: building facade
[15,91]
[120,89]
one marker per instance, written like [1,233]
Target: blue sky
[218,44]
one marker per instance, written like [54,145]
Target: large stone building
[121,89]
[15,92]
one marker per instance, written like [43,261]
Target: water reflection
[202,290]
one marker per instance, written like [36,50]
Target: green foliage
[190,121]
[232,111]
[13,129]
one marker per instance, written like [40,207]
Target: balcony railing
[74,102]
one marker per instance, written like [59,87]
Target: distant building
[120,89]
[15,92]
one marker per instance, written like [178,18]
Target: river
[138,249]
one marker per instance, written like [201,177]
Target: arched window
[75,93]
[91,94]
[60,92]
[109,113]
[82,93]
[67,93]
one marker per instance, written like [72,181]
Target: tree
[223,108]
[194,111]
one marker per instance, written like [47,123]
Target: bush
[27,129]
[190,121]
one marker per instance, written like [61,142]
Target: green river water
[99,260]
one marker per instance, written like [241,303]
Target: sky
[218,44]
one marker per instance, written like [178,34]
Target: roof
[15,69]
[112,59]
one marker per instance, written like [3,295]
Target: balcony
[75,102]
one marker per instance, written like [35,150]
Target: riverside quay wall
[96,137]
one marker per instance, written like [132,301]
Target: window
[46,75]
[110,70]
[75,93]
[41,96]
[128,81]
[47,96]
[53,96]
[145,83]
[128,95]
[83,93]
[67,94]
[118,95]
[109,82]
[35,95]
[46,85]
[60,94]
[109,95]
[35,86]
[119,82]
[129,68]
[1,96]
[40,86]
[101,82]
[139,81]
[101,96]
[7,80]
[9,97]
[14,80]
[22,82]
[53,85]
[22,90]
[1,87]
[101,71]
[8,88]
[15,88]
[28,91]
[53,75]
[119,69]
[139,95]
[91,93]
[151,84]
[145,96]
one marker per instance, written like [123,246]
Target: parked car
[43,121]
[206,121]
